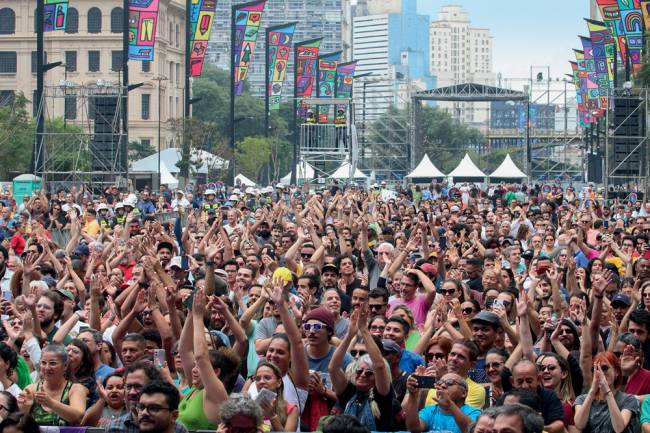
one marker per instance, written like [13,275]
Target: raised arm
[337,375]
[382,374]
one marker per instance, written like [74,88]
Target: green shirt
[191,414]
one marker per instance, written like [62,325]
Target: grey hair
[240,404]
[57,349]
[490,412]
[390,246]
[532,422]
[350,372]
[630,339]
[98,246]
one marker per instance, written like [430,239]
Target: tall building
[392,44]
[316,18]
[460,54]
[91,50]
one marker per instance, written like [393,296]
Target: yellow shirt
[92,227]
[475,395]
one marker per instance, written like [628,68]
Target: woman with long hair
[80,368]
[555,375]
[495,363]
[605,408]
[8,404]
[278,414]
[8,363]
[54,400]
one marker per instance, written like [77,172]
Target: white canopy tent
[344,172]
[425,172]
[166,178]
[243,180]
[508,170]
[169,157]
[304,171]
[467,171]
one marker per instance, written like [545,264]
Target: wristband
[598,297]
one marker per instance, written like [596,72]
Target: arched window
[72,21]
[117,20]
[94,20]
[7,21]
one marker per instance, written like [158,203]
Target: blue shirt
[409,361]
[103,371]
[436,419]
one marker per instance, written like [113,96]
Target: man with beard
[263,234]
[165,252]
[136,377]
[158,408]
[244,279]
[329,280]
[231,267]
[620,304]
[628,349]
[47,310]
[177,271]
[487,331]
[639,325]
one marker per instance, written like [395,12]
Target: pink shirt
[418,306]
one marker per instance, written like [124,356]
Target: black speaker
[629,126]
[594,168]
[106,137]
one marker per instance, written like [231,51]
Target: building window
[35,61]
[71,61]
[7,98]
[146,66]
[117,20]
[146,106]
[178,35]
[70,111]
[8,60]
[7,21]
[94,20]
[72,21]
[116,61]
[93,61]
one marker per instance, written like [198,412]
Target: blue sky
[525,32]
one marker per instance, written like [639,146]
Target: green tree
[139,150]
[16,136]
[251,155]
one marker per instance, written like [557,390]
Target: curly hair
[240,404]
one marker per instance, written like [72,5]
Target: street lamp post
[159,79]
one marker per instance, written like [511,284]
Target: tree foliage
[139,150]
[16,136]
[251,155]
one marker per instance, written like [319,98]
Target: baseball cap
[82,250]
[176,262]
[329,267]
[621,298]
[487,317]
[391,346]
[66,294]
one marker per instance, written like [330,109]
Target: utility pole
[159,79]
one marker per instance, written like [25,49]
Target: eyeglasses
[376,306]
[356,353]
[429,356]
[313,326]
[365,373]
[306,255]
[377,328]
[447,292]
[449,382]
[493,365]
[548,367]
[468,310]
[153,409]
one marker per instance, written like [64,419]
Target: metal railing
[324,138]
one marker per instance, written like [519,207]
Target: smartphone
[265,395]
[606,223]
[159,358]
[541,270]
[442,242]
[498,302]
[426,382]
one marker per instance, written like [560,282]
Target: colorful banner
[585,114]
[201,20]
[143,18]
[248,18]
[602,52]
[345,79]
[645,10]
[576,82]
[279,40]
[612,17]
[306,67]
[327,64]
[632,19]
[55,15]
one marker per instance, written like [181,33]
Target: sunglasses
[468,310]
[365,373]
[306,255]
[356,353]
[447,292]
[376,306]
[493,365]
[429,356]
[313,326]
[543,368]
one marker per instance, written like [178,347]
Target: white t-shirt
[292,394]
[13,389]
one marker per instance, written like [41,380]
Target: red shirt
[638,383]
[18,243]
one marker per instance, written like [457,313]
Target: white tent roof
[304,171]
[467,168]
[167,178]
[425,169]
[169,158]
[243,180]
[343,172]
[508,170]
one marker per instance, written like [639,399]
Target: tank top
[190,411]
[45,417]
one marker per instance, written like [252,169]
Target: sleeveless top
[190,411]
[45,417]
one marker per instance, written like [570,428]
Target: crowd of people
[498,309]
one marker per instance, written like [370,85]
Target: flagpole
[231,165]
[267,81]
[294,159]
